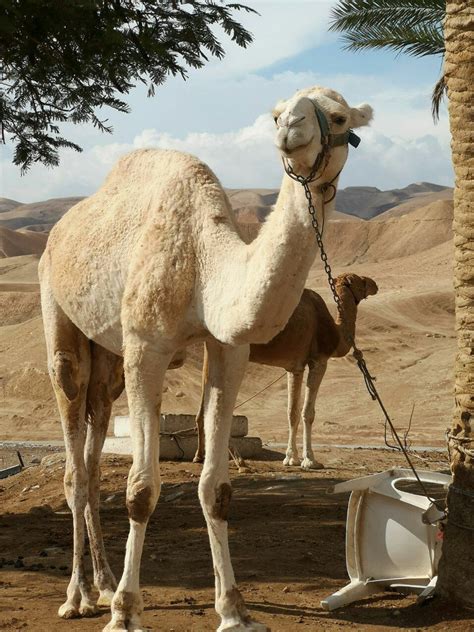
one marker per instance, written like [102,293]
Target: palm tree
[414,27]
[456,572]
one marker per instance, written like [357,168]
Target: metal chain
[357,353]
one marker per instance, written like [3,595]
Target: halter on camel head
[328,142]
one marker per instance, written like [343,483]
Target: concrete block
[183,448]
[177,423]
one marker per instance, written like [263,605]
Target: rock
[286,589]
[110,499]
[35,460]
[42,509]
[53,459]
[180,394]
[52,551]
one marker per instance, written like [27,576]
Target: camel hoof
[251,626]
[310,464]
[105,598]
[87,609]
[121,626]
[198,459]
[68,611]
[291,460]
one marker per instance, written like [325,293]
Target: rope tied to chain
[458,443]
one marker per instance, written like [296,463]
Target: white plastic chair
[388,544]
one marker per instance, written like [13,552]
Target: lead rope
[357,353]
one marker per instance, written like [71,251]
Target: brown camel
[309,339]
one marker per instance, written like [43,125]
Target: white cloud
[389,162]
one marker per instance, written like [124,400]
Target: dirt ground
[286,538]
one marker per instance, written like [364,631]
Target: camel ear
[361,115]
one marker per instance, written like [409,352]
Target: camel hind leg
[295,381]
[105,385]
[199,456]
[316,372]
[69,368]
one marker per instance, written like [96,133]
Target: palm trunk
[456,571]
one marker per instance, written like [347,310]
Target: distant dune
[37,214]
[14,243]
[368,202]
[7,205]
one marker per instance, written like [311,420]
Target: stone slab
[183,448]
[177,423]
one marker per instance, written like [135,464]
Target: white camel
[150,263]
[309,339]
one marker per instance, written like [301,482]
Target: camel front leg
[226,369]
[295,380]
[315,375]
[199,456]
[145,370]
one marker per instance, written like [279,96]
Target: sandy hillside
[14,243]
[38,215]
[407,332]
[6,204]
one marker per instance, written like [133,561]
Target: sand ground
[286,537]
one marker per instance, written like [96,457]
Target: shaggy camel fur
[150,263]
[309,339]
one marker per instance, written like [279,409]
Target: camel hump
[146,167]
[326,335]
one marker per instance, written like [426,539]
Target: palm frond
[418,41]
[412,26]
[439,92]
[349,14]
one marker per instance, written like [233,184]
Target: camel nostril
[295,121]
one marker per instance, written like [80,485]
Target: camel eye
[339,120]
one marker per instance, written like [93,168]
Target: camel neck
[345,319]
[259,285]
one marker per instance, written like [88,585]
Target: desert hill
[368,202]
[407,330]
[37,214]
[14,243]
[7,205]
[250,205]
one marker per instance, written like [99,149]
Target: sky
[222,112]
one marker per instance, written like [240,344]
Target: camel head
[360,287]
[312,118]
